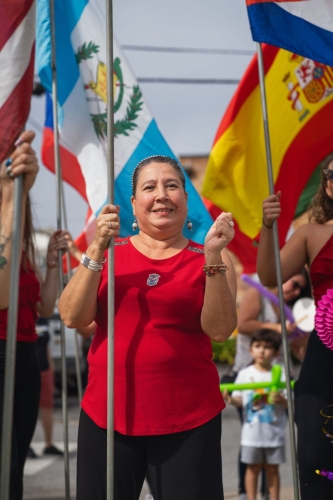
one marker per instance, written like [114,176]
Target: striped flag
[81,68]
[300,110]
[17,48]
[301,26]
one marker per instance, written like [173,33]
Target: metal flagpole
[110,180]
[69,275]
[279,274]
[59,226]
[8,398]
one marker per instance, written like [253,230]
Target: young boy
[263,430]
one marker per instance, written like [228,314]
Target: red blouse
[29,290]
[165,379]
[321,270]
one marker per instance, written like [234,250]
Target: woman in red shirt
[172,297]
[36,296]
[310,244]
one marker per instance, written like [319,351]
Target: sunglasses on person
[296,285]
[328,174]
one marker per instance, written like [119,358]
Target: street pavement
[44,476]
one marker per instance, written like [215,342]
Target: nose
[161,193]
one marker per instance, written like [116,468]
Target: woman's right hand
[23,161]
[271,209]
[107,226]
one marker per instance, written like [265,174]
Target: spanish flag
[300,112]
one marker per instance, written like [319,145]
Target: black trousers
[181,466]
[313,391]
[25,411]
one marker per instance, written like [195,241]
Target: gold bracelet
[211,269]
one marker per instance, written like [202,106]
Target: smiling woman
[171,295]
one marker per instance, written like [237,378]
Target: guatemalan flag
[304,27]
[82,91]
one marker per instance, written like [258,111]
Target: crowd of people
[172,295]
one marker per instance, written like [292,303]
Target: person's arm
[218,315]
[248,313]
[24,161]
[232,400]
[87,331]
[293,255]
[50,284]
[78,302]
[72,248]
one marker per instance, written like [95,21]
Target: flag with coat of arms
[81,70]
[300,109]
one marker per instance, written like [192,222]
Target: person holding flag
[172,296]
[36,296]
[312,245]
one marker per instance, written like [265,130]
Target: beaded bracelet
[91,264]
[211,269]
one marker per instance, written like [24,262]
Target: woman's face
[293,287]
[329,181]
[160,202]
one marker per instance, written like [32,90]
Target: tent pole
[59,226]
[278,274]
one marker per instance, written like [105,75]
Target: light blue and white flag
[81,58]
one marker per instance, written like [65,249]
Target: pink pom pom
[324,319]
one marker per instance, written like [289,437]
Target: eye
[149,186]
[172,185]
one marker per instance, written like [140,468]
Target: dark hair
[321,206]
[306,291]
[268,336]
[159,159]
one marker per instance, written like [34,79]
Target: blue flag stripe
[274,25]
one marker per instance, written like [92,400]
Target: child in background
[263,430]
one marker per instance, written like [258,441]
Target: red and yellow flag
[300,112]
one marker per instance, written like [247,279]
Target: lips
[163,210]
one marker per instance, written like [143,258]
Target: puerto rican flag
[72,174]
[304,27]
[17,49]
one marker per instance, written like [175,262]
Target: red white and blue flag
[17,49]
[304,27]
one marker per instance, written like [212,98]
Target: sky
[187,115]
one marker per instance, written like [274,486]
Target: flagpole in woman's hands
[275,235]
[110,169]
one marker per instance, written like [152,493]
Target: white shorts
[252,455]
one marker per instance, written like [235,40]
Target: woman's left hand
[58,241]
[220,234]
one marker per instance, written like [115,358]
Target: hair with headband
[158,159]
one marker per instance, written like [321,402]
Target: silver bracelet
[91,264]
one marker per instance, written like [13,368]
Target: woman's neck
[159,248]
